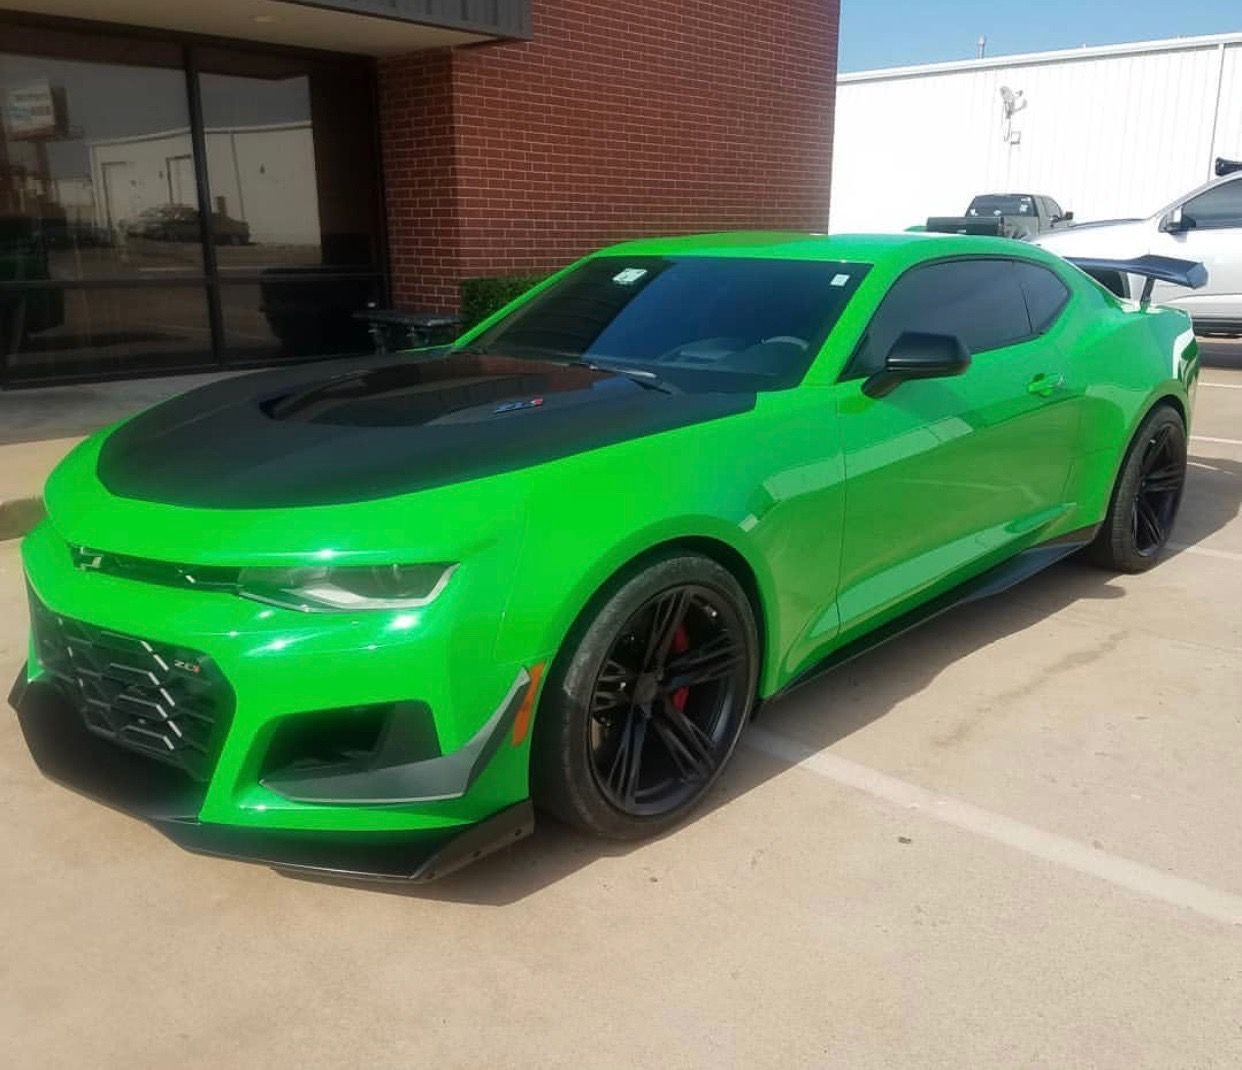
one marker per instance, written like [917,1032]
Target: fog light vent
[352,738]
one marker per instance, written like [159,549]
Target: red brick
[660,118]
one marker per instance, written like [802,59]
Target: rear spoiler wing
[1188,273]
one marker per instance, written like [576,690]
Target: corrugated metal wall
[1108,135]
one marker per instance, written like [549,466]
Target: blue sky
[895,33]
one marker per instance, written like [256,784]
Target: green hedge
[481,297]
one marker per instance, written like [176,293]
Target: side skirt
[995,580]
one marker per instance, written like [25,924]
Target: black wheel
[644,707]
[1146,498]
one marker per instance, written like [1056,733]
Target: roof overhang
[375,27]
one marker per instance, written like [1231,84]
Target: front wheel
[645,706]
[1147,495]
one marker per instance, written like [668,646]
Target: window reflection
[281,318]
[102,236]
[105,330]
[288,160]
[91,156]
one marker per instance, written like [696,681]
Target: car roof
[895,250]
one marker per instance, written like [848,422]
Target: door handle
[1044,385]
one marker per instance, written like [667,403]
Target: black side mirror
[917,355]
[1068,217]
[1176,222]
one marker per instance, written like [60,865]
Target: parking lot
[1010,838]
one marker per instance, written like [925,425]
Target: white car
[1204,225]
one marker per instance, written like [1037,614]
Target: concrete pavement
[1010,838]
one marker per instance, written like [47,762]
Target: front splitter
[67,752]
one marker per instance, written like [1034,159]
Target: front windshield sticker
[629,276]
[839,280]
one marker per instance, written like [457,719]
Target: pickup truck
[1007,215]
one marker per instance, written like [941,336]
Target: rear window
[1001,204]
[1045,294]
[697,320]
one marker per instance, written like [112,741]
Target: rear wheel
[1147,496]
[645,706]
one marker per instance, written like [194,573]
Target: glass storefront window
[281,318]
[96,169]
[102,164]
[289,162]
[72,331]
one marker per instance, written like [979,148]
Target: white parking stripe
[1133,876]
[1222,441]
[1204,551]
[1223,386]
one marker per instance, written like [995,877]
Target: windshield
[701,322]
[998,204]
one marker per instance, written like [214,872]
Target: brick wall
[615,121]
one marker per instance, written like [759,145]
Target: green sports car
[364,616]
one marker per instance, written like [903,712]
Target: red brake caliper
[681,643]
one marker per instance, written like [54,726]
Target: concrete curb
[18,516]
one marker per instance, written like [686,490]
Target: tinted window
[1045,294]
[103,237]
[1218,207]
[290,162]
[1002,204]
[762,319]
[978,300]
[91,154]
[1054,209]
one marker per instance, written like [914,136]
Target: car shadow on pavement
[1217,353]
[842,702]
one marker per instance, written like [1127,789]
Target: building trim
[495,18]
[1030,59]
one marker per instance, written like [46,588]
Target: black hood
[352,430]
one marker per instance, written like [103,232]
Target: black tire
[1147,495]
[612,685]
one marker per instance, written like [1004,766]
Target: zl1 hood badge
[514,406]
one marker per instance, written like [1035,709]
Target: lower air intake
[166,702]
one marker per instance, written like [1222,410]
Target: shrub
[482,296]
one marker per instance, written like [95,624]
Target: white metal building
[1108,132]
[262,174]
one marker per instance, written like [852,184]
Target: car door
[944,474]
[1213,236]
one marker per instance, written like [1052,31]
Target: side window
[1054,209]
[1219,207]
[979,300]
[1045,294]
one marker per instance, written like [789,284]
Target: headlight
[345,587]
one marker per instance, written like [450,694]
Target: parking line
[1222,386]
[1222,441]
[1133,876]
[1204,551]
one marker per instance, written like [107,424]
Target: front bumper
[229,687]
[68,753]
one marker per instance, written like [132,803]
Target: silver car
[1204,225]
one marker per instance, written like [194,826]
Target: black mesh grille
[163,701]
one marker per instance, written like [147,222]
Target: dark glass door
[168,206]
[295,206]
